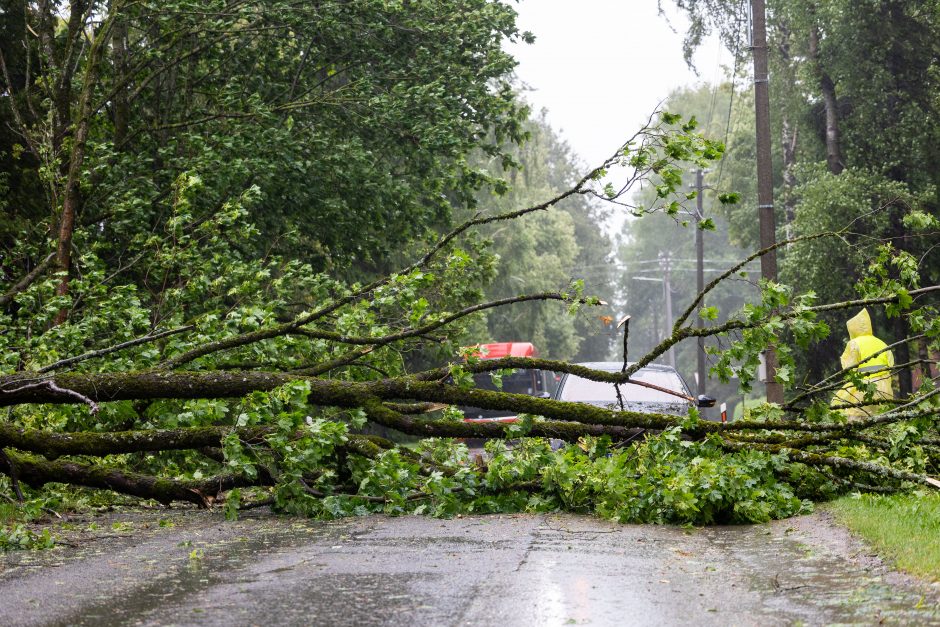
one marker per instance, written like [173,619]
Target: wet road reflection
[508,570]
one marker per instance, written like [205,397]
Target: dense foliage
[350,117]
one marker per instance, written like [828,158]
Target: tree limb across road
[181,355]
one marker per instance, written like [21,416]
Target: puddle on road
[809,583]
[581,571]
[271,575]
[197,567]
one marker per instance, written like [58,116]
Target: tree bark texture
[37,472]
[827,88]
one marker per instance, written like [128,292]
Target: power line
[734,74]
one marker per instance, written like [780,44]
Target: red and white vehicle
[539,383]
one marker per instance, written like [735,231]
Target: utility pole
[700,272]
[765,185]
[665,264]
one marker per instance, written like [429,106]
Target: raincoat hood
[859,325]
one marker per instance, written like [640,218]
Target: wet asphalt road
[494,570]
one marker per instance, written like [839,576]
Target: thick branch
[102,387]
[814,459]
[561,430]
[208,440]
[857,425]
[52,444]
[26,281]
[37,472]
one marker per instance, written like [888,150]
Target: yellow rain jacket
[858,352]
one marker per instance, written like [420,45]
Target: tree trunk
[828,89]
[71,200]
[789,132]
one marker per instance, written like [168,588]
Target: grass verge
[903,528]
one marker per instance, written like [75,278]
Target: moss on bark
[37,471]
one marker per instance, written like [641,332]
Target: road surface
[193,568]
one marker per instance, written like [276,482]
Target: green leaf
[670,118]
[708,313]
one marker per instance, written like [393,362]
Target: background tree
[852,91]
[354,117]
[546,251]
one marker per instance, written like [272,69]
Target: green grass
[10,513]
[903,528]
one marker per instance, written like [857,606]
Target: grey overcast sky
[601,67]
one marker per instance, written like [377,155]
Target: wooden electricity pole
[765,185]
[665,264]
[700,274]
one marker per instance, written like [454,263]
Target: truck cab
[533,382]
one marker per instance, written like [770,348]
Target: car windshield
[519,382]
[584,390]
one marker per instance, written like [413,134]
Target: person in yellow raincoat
[876,368]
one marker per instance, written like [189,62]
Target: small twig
[383,340]
[73,545]
[320,495]
[112,349]
[912,403]
[489,365]
[415,408]
[816,388]
[714,282]
[17,503]
[344,360]
[838,385]
[26,281]
[375,369]
[625,323]
[51,386]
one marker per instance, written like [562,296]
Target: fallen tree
[271,393]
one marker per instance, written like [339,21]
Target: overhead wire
[714,100]
[734,74]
